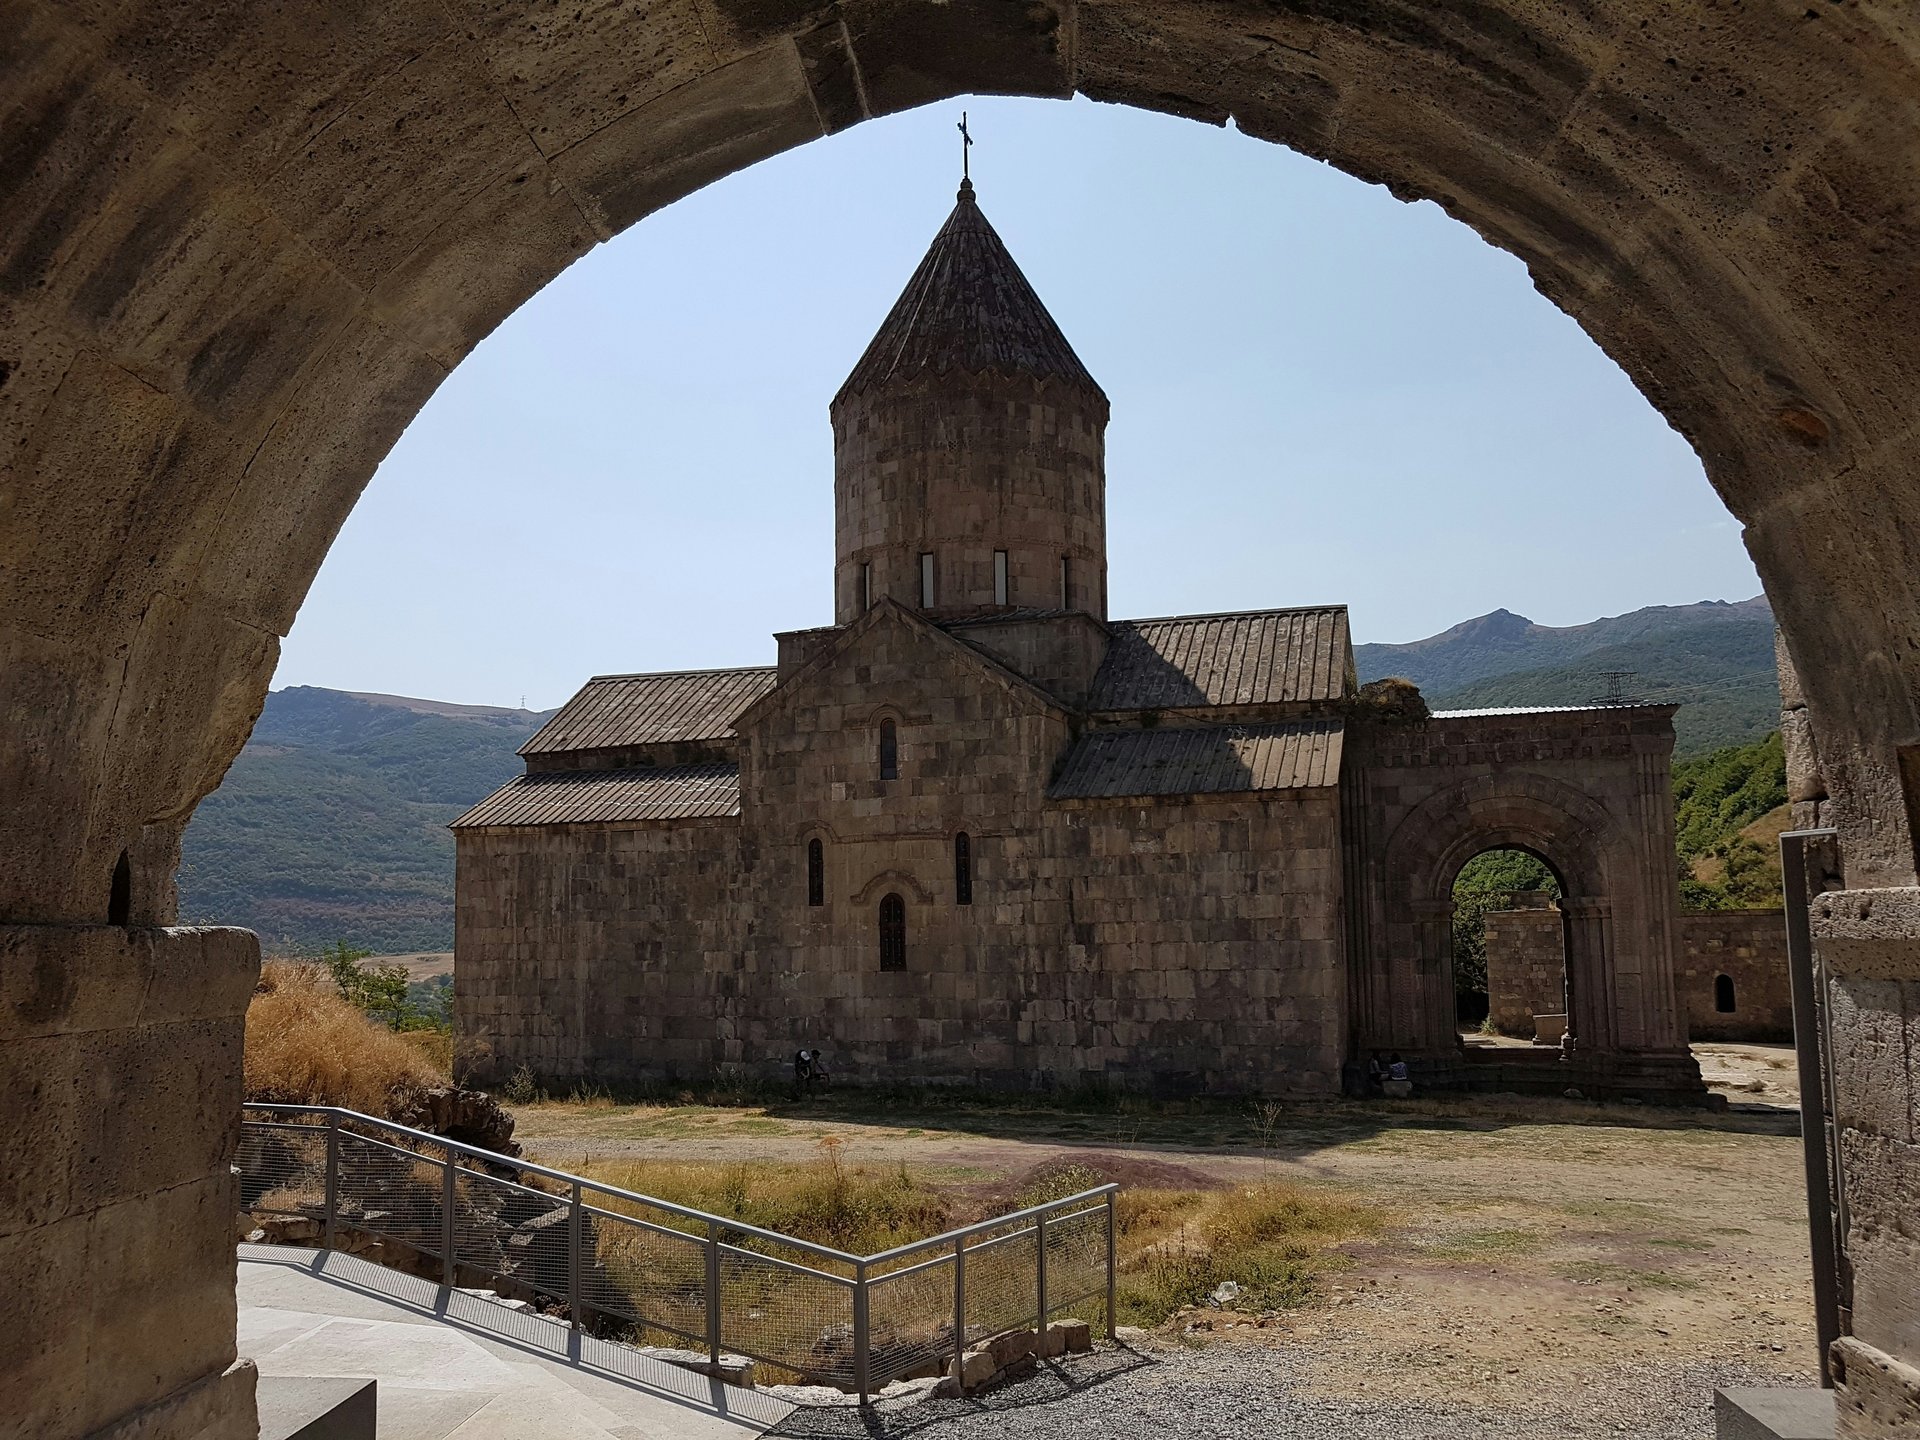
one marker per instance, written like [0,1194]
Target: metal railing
[401,1196]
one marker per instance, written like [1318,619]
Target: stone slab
[1752,1412]
[316,1407]
[454,1364]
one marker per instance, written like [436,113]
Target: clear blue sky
[1319,394]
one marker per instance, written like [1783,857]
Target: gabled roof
[967,309]
[887,610]
[580,797]
[1256,657]
[618,710]
[1200,760]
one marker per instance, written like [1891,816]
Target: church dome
[969,447]
[967,310]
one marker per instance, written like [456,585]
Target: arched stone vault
[244,241]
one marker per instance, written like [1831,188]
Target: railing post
[1040,1271]
[576,1224]
[713,1292]
[1113,1318]
[446,1223]
[329,1216]
[860,1351]
[960,1315]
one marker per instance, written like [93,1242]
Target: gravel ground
[1242,1391]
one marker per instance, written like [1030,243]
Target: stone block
[1009,1346]
[317,1408]
[1876,1395]
[1762,1413]
[977,1367]
[1076,1335]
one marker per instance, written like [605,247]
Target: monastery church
[976,831]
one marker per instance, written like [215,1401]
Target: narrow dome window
[816,874]
[962,869]
[889,751]
[1723,994]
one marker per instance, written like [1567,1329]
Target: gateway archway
[243,245]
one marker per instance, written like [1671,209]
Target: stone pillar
[1428,1026]
[1867,943]
[120,1088]
[1590,977]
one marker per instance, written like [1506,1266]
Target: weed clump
[855,1208]
[1274,1241]
[306,1044]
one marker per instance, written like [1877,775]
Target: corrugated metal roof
[1259,657]
[580,797]
[616,710]
[1530,710]
[1208,760]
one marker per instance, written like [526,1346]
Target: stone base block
[317,1408]
[1876,1397]
[1755,1413]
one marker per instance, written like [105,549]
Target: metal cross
[966,144]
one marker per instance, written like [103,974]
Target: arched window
[962,869]
[816,874]
[1723,994]
[893,933]
[889,751]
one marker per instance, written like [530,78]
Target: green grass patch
[1483,1244]
[1598,1272]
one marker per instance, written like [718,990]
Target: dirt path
[1536,1247]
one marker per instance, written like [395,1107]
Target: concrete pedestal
[1750,1412]
[298,1407]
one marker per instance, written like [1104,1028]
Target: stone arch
[242,249]
[1565,827]
[203,254]
[1588,848]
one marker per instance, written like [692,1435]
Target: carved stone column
[1590,979]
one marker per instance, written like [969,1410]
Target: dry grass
[307,1045]
[850,1207]
[1275,1241]
[1176,1246]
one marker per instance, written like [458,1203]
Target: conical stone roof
[967,310]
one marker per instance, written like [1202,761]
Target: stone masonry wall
[121,1087]
[1749,947]
[1170,945]
[1526,968]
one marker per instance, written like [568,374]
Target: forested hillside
[1714,659]
[331,825]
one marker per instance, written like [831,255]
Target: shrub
[306,1044]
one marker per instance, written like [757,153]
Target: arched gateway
[1587,790]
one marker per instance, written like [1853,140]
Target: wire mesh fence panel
[1001,1282]
[1077,1265]
[389,1192]
[910,1319]
[283,1168]
[787,1315]
[654,1277]
[510,1230]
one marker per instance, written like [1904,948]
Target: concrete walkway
[457,1367]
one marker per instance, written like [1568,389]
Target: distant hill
[331,824]
[1715,659]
